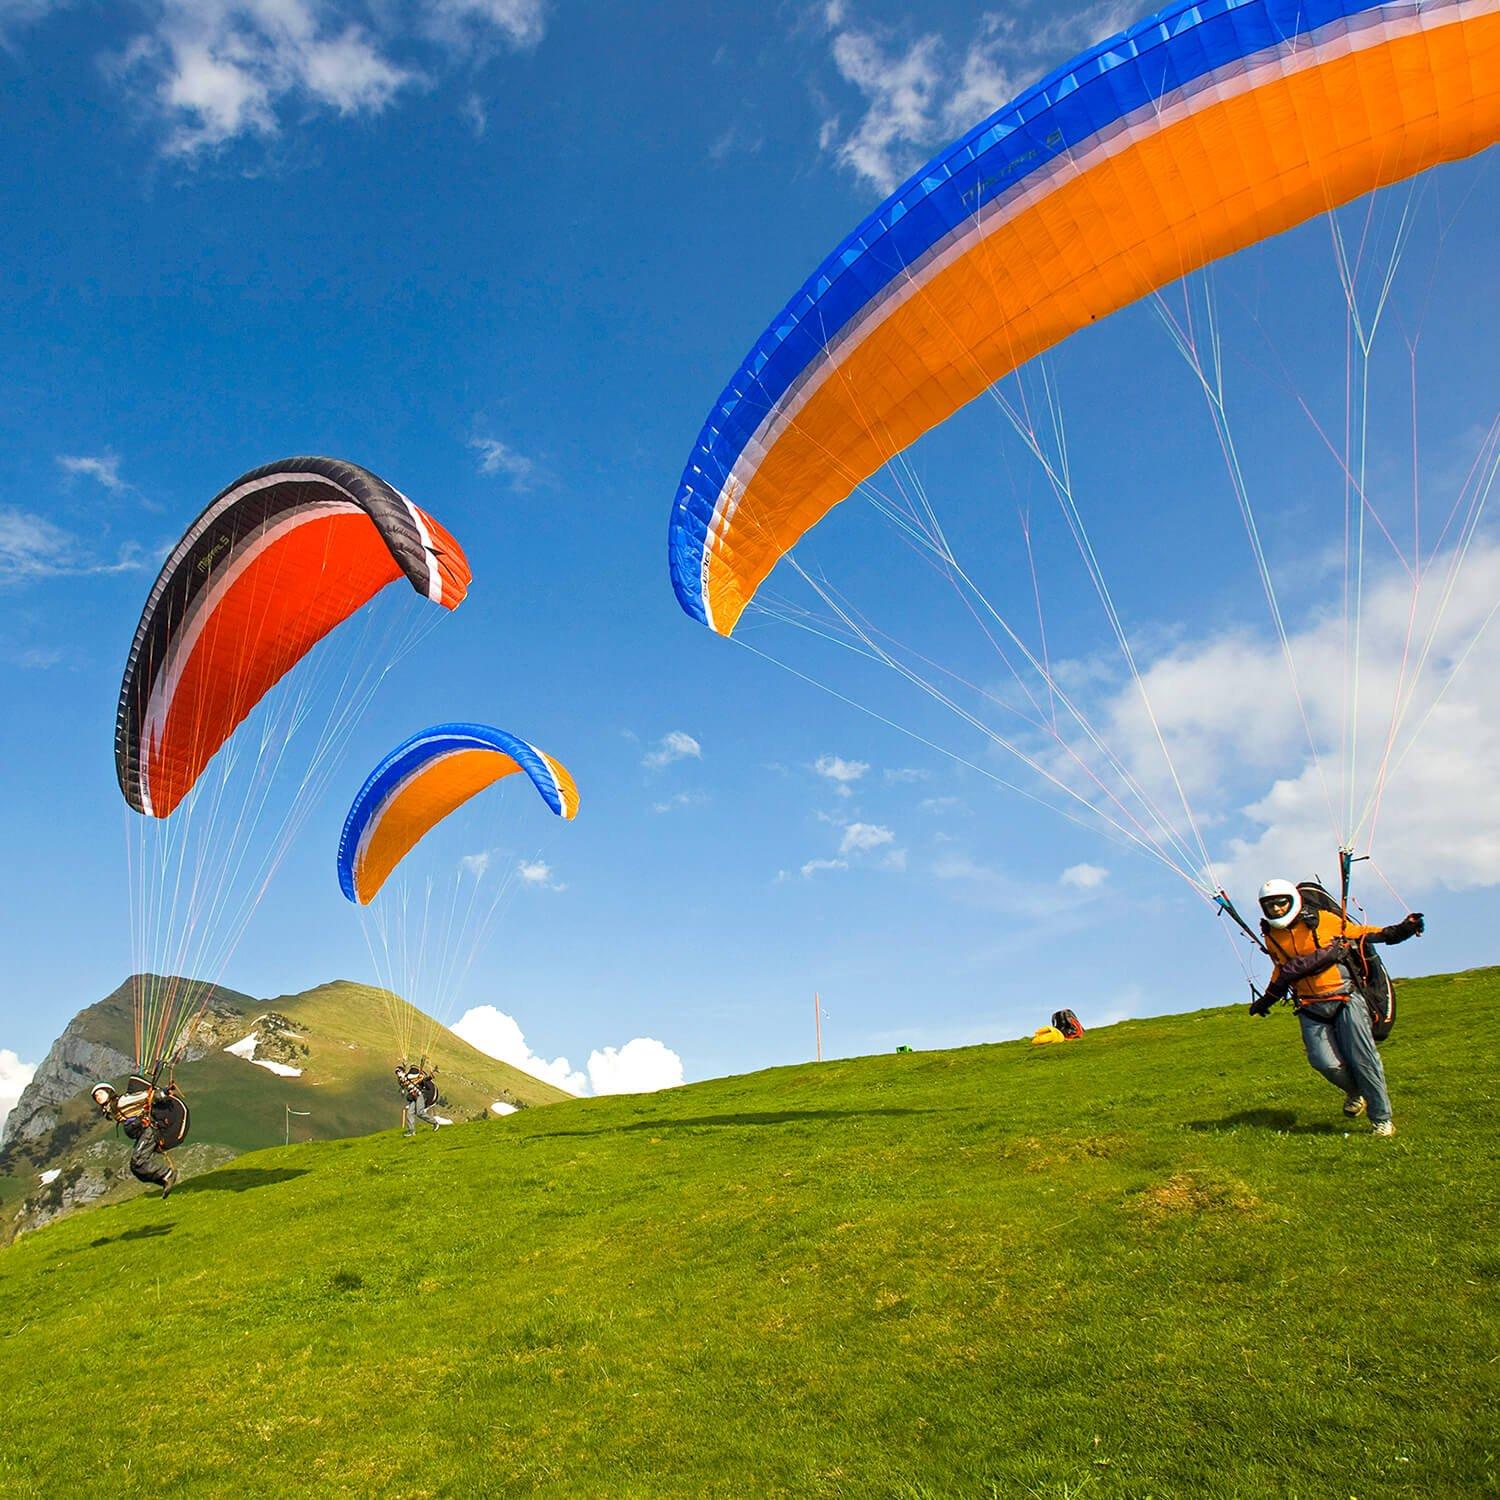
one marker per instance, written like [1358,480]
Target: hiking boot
[1354,1106]
[1383,1127]
[173,1177]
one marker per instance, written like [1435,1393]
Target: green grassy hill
[337,1038]
[1152,1263]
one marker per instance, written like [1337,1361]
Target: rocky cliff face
[90,1049]
[52,1124]
[75,1063]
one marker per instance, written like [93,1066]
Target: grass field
[1152,1263]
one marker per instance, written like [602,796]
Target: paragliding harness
[147,1105]
[418,1084]
[1067,1023]
[1369,980]
[166,1111]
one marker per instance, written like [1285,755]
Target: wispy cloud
[475,24]
[842,773]
[476,864]
[917,92]
[103,467]
[736,140]
[862,837]
[501,460]
[1085,876]
[219,71]
[538,873]
[32,547]
[939,804]
[678,800]
[37,658]
[989,887]
[674,745]
[858,842]
[15,14]
[902,775]
[475,115]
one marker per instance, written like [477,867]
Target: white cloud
[1084,876]
[679,800]
[992,889]
[223,70]
[836,768]
[488,1029]
[36,658]
[470,23]
[32,547]
[642,1066]
[497,458]
[1232,721]
[103,467]
[737,140]
[14,1076]
[674,745]
[861,837]
[919,93]
[476,864]
[856,840]
[16,13]
[538,872]
[899,775]
[938,804]
[475,115]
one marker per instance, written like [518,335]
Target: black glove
[1261,1005]
[1398,932]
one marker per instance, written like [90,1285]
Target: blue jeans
[1343,1050]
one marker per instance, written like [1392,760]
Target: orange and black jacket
[1307,954]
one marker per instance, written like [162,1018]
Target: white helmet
[1280,902]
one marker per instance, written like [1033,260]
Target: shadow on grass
[1283,1121]
[238,1179]
[145,1232]
[759,1117]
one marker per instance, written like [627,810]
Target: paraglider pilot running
[1319,957]
[420,1090]
[155,1119]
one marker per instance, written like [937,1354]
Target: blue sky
[505,254]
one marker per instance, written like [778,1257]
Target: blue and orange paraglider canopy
[1199,131]
[424,779]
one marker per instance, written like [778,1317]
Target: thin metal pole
[304,1113]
